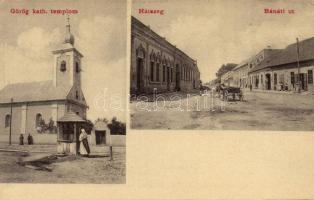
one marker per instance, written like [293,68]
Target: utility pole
[298,62]
[10,121]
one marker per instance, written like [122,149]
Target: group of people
[84,147]
[30,139]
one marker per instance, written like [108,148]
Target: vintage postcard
[222,65]
[156,99]
[62,96]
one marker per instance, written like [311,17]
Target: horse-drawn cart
[227,91]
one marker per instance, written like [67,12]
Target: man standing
[30,139]
[21,139]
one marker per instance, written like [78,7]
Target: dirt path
[72,170]
[259,111]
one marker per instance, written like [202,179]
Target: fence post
[111,154]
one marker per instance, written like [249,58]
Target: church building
[34,107]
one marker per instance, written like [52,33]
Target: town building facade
[227,78]
[280,70]
[28,107]
[260,80]
[157,65]
[240,74]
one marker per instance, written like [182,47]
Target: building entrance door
[303,80]
[139,74]
[100,137]
[268,82]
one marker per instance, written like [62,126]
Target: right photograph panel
[222,65]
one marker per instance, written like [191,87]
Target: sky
[215,32]
[99,28]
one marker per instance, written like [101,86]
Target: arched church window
[7,121]
[38,120]
[77,67]
[63,66]
[76,94]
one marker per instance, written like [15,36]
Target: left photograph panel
[63,91]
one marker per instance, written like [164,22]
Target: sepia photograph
[156,99]
[63,91]
[222,65]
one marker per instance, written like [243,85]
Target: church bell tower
[67,62]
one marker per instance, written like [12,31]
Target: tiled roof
[267,61]
[33,91]
[288,55]
[71,117]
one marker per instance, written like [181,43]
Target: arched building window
[151,71]
[152,65]
[63,66]
[7,121]
[38,119]
[76,94]
[77,67]
[157,72]
[164,73]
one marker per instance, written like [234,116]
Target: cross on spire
[69,38]
[68,19]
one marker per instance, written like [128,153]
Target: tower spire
[69,38]
[68,22]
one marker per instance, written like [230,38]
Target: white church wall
[16,120]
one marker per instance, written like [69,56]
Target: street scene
[233,74]
[257,111]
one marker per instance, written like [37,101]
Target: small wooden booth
[69,127]
[102,133]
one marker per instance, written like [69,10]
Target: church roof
[71,117]
[33,91]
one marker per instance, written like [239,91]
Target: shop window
[292,78]
[275,79]
[281,79]
[310,76]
